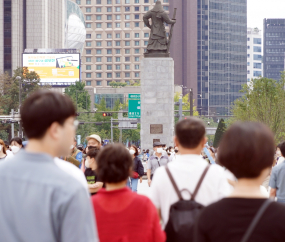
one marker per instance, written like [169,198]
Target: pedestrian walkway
[143,188]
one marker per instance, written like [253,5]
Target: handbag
[135,175]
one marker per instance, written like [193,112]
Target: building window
[88,44]
[127,1]
[146,8]
[248,63]
[248,72]
[137,59]
[137,16]
[118,25]
[166,8]
[127,59]
[127,9]
[88,2]
[109,43]
[127,51]
[118,43]
[145,43]
[118,59]
[88,67]
[137,43]
[109,36]
[98,17]
[98,83]
[127,35]
[248,47]
[165,1]
[109,25]
[88,75]
[88,83]
[88,36]
[109,75]
[98,25]
[146,1]
[137,24]
[248,39]
[109,9]
[109,17]
[98,43]
[127,17]
[88,59]
[98,36]
[109,67]
[88,17]
[137,9]
[88,25]
[118,67]
[127,67]
[88,10]
[98,67]
[257,41]
[146,35]
[98,10]
[257,57]
[109,51]
[109,1]
[137,51]
[118,9]
[98,59]
[137,67]
[118,17]
[137,1]
[127,74]
[127,25]
[98,52]
[118,74]
[137,35]
[78,2]
[118,51]
[118,1]
[257,73]
[98,75]
[127,43]
[98,2]
[248,55]
[256,48]
[257,65]
[109,59]
[118,36]
[137,74]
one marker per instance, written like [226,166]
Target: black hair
[281,146]
[43,108]
[18,140]
[136,150]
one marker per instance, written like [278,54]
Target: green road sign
[134,106]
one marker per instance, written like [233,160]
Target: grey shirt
[154,162]
[277,181]
[40,202]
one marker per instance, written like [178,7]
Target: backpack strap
[255,220]
[173,183]
[200,182]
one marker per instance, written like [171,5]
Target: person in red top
[122,216]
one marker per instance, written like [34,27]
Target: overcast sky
[257,10]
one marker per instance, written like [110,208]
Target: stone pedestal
[157,101]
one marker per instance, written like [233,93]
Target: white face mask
[1,147]
[159,150]
[278,153]
[87,165]
[15,149]
[132,152]
[71,147]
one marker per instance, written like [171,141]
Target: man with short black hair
[187,170]
[39,201]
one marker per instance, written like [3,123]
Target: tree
[219,133]
[117,84]
[79,95]
[263,101]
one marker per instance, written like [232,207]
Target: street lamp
[20,103]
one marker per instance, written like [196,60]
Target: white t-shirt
[73,171]
[280,160]
[186,171]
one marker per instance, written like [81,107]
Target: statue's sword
[171,30]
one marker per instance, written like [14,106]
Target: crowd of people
[55,190]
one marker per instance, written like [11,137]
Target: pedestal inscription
[156,129]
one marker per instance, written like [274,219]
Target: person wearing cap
[156,160]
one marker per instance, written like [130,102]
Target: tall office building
[273,47]
[116,39]
[209,51]
[37,24]
[254,53]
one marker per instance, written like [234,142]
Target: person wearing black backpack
[182,188]
[247,215]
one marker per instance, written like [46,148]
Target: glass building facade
[110,99]
[222,54]
[273,47]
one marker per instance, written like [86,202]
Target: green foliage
[135,83]
[79,95]
[219,133]
[263,101]
[117,84]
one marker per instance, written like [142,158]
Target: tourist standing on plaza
[156,160]
[40,202]
[247,150]
[186,170]
[122,215]
[277,178]
[138,169]
[3,154]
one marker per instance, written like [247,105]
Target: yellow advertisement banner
[53,72]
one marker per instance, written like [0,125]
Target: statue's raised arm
[158,43]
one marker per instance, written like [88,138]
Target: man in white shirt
[187,170]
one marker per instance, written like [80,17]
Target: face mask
[87,165]
[14,149]
[278,153]
[159,150]
[1,147]
[71,147]
[132,152]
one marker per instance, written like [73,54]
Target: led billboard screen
[54,67]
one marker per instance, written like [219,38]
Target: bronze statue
[158,45]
